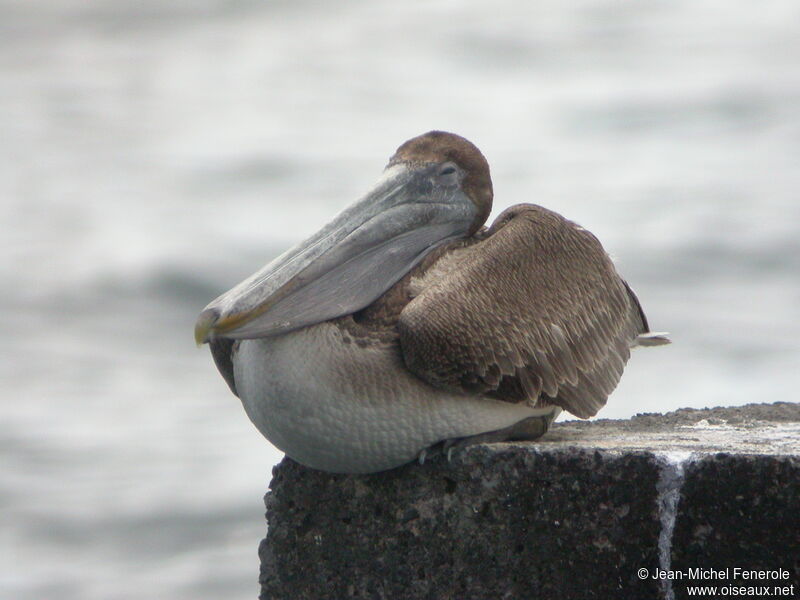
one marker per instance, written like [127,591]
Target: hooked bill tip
[205,323]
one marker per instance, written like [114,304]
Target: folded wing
[533,312]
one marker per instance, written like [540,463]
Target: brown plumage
[441,147]
[535,311]
[530,310]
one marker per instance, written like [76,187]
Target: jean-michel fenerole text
[726,574]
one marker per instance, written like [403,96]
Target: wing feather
[534,309]
[222,350]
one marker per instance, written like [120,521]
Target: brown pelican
[405,325]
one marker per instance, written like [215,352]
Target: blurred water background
[154,153]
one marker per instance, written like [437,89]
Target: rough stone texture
[739,511]
[486,525]
[572,516]
[751,429]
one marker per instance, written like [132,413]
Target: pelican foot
[527,430]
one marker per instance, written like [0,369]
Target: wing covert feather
[535,311]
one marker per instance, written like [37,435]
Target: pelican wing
[222,352]
[533,312]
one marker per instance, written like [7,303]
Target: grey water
[154,153]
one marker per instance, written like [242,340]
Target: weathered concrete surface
[575,515]
[739,511]
[504,522]
[751,429]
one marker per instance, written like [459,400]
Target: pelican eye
[448,175]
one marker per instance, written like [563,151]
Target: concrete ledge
[739,511]
[576,515]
